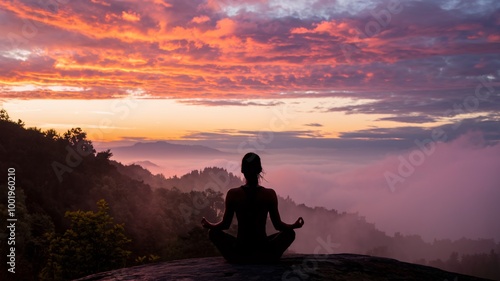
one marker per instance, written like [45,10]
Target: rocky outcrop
[341,267]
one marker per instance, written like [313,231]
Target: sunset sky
[170,69]
[364,76]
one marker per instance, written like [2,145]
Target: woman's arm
[227,218]
[275,215]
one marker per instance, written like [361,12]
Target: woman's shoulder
[268,190]
[235,189]
[242,188]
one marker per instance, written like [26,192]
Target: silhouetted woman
[251,203]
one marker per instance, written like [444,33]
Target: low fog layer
[453,192]
[447,190]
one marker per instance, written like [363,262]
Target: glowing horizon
[114,120]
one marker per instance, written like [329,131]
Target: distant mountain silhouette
[145,164]
[163,149]
[150,166]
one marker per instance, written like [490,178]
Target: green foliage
[93,243]
[147,259]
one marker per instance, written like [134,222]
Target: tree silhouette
[4,116]
[77,139]
[93,243]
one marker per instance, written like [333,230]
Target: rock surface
[341,267]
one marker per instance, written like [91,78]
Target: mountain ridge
[164,149]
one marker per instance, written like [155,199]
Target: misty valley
[80,212]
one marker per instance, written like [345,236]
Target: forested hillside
[79,212]
[55,174]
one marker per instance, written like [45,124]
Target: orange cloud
[101,2]
[200,19]
[340,28]
[162,3]
[130,16]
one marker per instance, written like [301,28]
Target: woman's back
[251,205]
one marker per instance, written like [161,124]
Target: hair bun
[250,164]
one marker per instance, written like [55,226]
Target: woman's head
[251,168]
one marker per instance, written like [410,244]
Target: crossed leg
[276,245]
[279,242]
[224,242]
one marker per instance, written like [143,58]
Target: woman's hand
[205,223]
[299,223]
